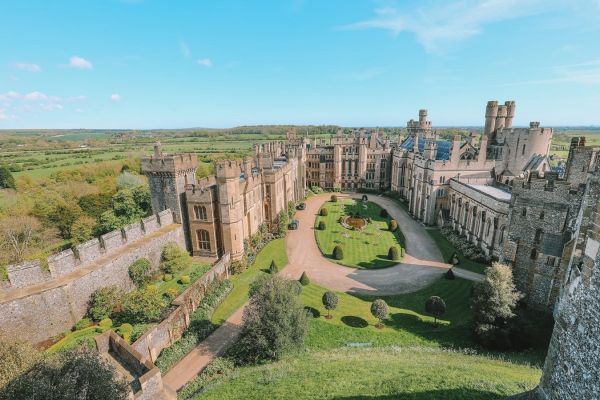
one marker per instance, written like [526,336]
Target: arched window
[538,235]
[489,227]
[200,212]
[203,239]
[501,238]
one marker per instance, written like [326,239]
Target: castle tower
[501,117]
[430,150]
[510,113]
[230,208]
[491,112]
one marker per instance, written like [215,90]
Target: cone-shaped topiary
[383,213]
[338,253]
[273,269]
[393,253]
[334,198]
[393,225]
[304,279]
[449,274]
[322,225]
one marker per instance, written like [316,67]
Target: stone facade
[53,301]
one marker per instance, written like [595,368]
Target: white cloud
[9,96]
[52,107]
[185,50]
[77,62]
[205,62]
[35,96]
[29,67]
[115,97]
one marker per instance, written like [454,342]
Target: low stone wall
[39,304]
[171,328]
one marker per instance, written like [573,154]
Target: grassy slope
[416,373]
[275,250]
[362,249]
[447,250]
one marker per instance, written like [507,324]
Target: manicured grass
[384,373]
[274,250]
[362,249]
[447,250]
[76,338]
[195,271]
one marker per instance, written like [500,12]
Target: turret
[423,118]
[501,117]
[455,155]
[430,150]
[491,112]
[510,113]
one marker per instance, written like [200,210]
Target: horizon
[147,65]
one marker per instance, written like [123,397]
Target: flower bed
[461,243]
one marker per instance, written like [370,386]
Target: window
[203,239]
[538,235]
[534,254]
[550,260]
[200,212]
[524,212]
[542,215]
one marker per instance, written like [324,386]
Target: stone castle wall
[47,303]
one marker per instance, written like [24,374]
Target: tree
[394,253]
[435,306]
[63,215]
[107,222]
[380,310]
[275,322]
[282,223]
[291,209]
[273,269]
[330,300]
[77,374]
[449,274]
[174,258]
[105,301]
[393,225]
[493,302]
[16,357]
[95,204]
[127,180]
[141,196]
[139,271]
[22,236]
[143,305]
[83,229]
[7,180]
[125,206]
[338,253]
[304,280]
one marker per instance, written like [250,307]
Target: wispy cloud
[14,104]
[35,96]
[185,50]
[584,73]
[77,62]
[205,62]
[29,67]
[115,97]
[437,24]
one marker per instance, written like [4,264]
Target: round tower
[510,113]
[491,111]
[422,117]
[501,117]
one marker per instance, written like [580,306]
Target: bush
[330,301]
[383,213]
[304,279]
[139,271]
[238,266]
[82,324]
[449,274]
[334,198]
[322,225]
[282,223]
[323,212]
[216,370]
[172,293]
[393,225]
[338,253]
[185,279]
[364,198]
[435,306]
[143,305]
[125,328]
[394,253]
[174,258]
[379,309]
[16,358]
[168,277]
[106,323]
[104,302]
[273,269]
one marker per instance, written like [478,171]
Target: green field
[362,249]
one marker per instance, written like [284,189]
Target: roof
[534,162]
[492,191]
[443,147]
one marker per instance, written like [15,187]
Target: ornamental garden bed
[362,230]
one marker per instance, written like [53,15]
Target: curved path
[421,266]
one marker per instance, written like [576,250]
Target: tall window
[203,239]
[534,254]
[200,212]
[538,235]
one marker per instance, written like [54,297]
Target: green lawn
[447,250]
[362,249]
[385,373]
[274,250]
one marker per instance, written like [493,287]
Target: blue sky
[221,63]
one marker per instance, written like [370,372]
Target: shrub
[16,358]
[282,223]
[393,225]
[334,198]
[449,274]
[275,323]
[104,302]
[171,293]
[322,225]
[394,253]
[295,287]
[273,269]
[304,279]
[106,323]
[174,258]
[379,309]
[127,337]
[330,301]
[338,253]
[125,328]
[364,198]
[383,213]
[238,266]
[82,324]
[435,306]
[185,280]
[168,277]
[143,305]
[139,271]
[323,212]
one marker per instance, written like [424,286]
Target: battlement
[535,183]
[230,169]
[161,162]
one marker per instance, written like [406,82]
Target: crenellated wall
[53,300]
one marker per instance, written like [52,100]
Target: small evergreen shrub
[304,279]
[322,225]
[330,301]
[125,328]
[82,324]
[383,213]
[341,219]
[273,269]
[323,212]
[106,323]
[172,293]
[238,266]
[104,301]
[185,279]
[168,277]
[139,271]
[334,198]
[379,309]
[449,274]
[174,258]
[338,253]
[393,225]
[393,253]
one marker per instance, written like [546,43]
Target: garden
[358,234]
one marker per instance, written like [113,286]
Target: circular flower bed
[355,222]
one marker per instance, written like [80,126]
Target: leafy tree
[63,215]
[275,322]
[174,258]
[7,181]
[74,375]
[16,357]
[105,301]
[141,196]
[95,204]
[127,180]
[107,222]
[493,302]
[125,206]
[330,301]
[379,309]
[338,253]
[282,223]
[143,305]
[139,271]
[304,280]
[435,306]
[393,253]
[83,229]
[273,269]
[22,236]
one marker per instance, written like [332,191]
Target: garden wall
[171,328]
[39,304]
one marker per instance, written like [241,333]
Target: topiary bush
[185,279]
[435,306]
[238,266]
[341,219]
[139,271]
[273,268]
[174,258]
[82,324]
[323,212]
[171,293]
[394,253]
[106,323]
[168,277]
[334,198]
[393,225]
[143,305]
[379,309]
[449,274]
[338,252]
[304,279]
[383,213]
[330,301]
[322,225]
